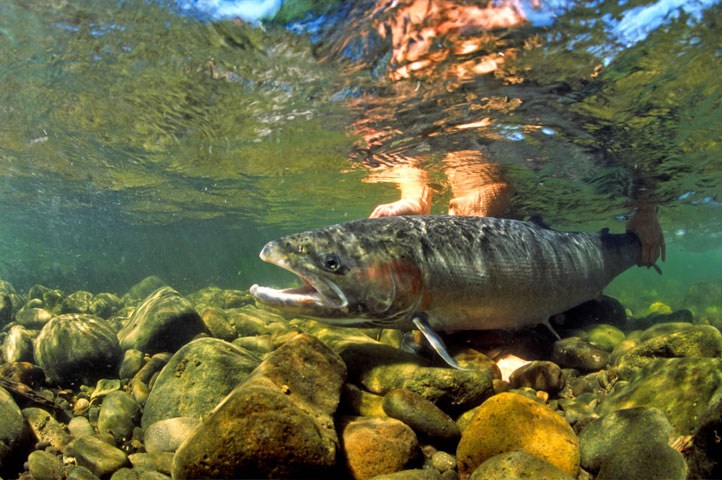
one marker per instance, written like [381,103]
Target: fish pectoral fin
[420,322]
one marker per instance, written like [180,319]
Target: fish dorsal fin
[434,340]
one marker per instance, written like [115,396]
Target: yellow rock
[510,422]
[659,307]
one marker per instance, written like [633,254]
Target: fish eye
[332,262]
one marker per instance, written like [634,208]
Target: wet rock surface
[260,396]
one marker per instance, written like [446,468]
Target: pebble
[167,435]
[45,466]
[576,353]
[509,422]
[80,427]
[217,324]
[163,322]
[443,461]
[518,465]
[131,364]
[45,428]
[99,457]
[427,420]
[539,375]
[604,336]
[375,446]
[119,414]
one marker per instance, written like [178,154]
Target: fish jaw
[317,297]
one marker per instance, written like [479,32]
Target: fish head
[355,278]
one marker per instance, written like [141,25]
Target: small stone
[518,465]
[167,435]
[574,352]
[104,387]
[80,427]
[216,322]
[164,322]
[260,344]
[76,472]
[510,422]
[604,336]
[539,375]
[81,406]
[358,402]
[33,318]
[145,287]
[647,460]
[154,365]
[119,414]
[427,420]
[98,456]
[45,466]
[375,446]
[413,474]
[46,428]
[131,364]
[105,305]
[443,461]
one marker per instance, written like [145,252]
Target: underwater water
[149,149]
[139,138]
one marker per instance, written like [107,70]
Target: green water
[137,141]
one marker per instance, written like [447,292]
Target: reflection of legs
[478,186]
[415,191]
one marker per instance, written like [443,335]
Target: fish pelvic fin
[421,322]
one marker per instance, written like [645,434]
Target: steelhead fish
[444,273]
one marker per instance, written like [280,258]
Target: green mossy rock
[510,422]
[518,466]
[77,348]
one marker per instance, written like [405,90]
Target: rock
[23,372]
[518,465]
[413,474]
[18,345]
[76,302]
[167,435]
[605,336]
[196,378]
[161,462]
[142,289]
[704,457]
[45,466]
[670,340]
[6,304]
[380,368]
[251,321]
[105,305]
[357,402]
[285,408]
[219,298]
[647,460]
[375,446]
[33,318]
[443,462]
[508,422]
[623,429]
[216,322]
[574,352]
[679,316]
[80,427]
[426,419]
[97,456]
[152,367]
[119,414]
[14,434]
[76,472]
[604,310]
[260,344]
[539,375]
[163,322]
[47,298]
[45,428]
[131,364]
[77,348]
[682,388]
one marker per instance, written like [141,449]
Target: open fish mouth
[315,292]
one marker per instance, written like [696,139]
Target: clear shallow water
[138,139]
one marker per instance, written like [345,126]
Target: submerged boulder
[276,424]
[196,378]
[164,322]
[14,433]
[77,348]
